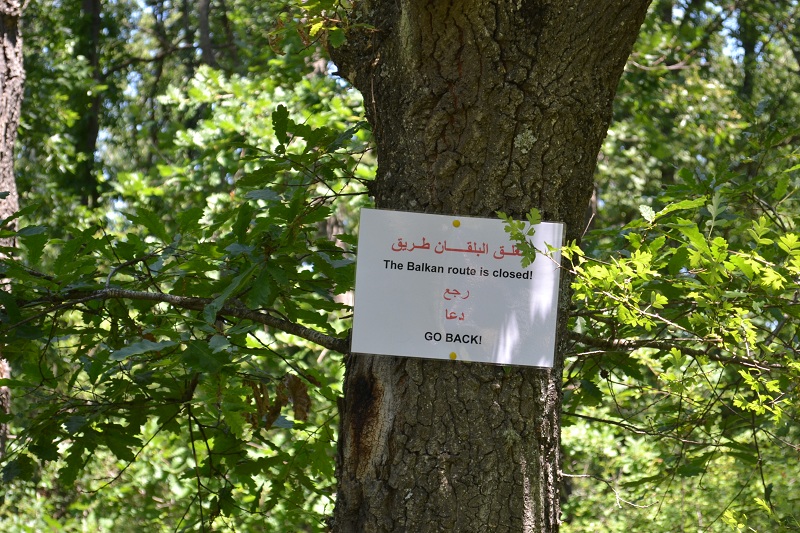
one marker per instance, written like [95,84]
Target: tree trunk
[87,127]
[206,49]
[476,106]
[748,37]
[12,79]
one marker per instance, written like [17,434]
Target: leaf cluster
[684,331]
[196,331]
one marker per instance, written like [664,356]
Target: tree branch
[629,345]
[235,310]
[638,430]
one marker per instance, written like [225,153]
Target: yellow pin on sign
[453,356]
[456,223]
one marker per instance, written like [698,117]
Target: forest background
[183,165]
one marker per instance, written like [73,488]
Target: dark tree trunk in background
[12,79]
[749,36]
[664,9]
[87,127]
[206,49]
[476,106]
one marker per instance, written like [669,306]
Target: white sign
[451,287]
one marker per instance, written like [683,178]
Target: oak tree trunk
[476,106]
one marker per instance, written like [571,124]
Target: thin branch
[610,486]
[189,418]
[627,344]
[637,430]
[683,64]
[760,462]
[138,452]
[133,261]
[36,273]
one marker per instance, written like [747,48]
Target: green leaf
[658,301]
[45,449]
[119,441]
[695,466]
[263,194]
[647,213]
[73,464]
[198,356]
[317,214]
[789,242]
[316,27]
[690,231]
[534,216]
[742,264]
[263,292]
[151,221]
[336,37]
[678,261]
[75,424]
[20,467]
[644,480]
[30,209]
[68,258]
[280,123]
[681,205]
[189,220]
[34,244]
[590,393]
[27,231]
[218,343]
[237,249]
[210,311]
[244,219]
[141,347]
[657,244]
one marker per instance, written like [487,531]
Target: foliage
[117,353]
[153,317]
[680,393]
[686,335]
[522,233]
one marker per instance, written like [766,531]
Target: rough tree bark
[476,106]
[12,79]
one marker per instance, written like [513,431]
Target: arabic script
[471,247]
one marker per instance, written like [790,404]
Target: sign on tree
[452,287]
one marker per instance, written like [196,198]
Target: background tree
[12,77]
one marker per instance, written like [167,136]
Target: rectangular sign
[453,287]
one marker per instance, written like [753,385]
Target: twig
[636,430]
[610,486]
